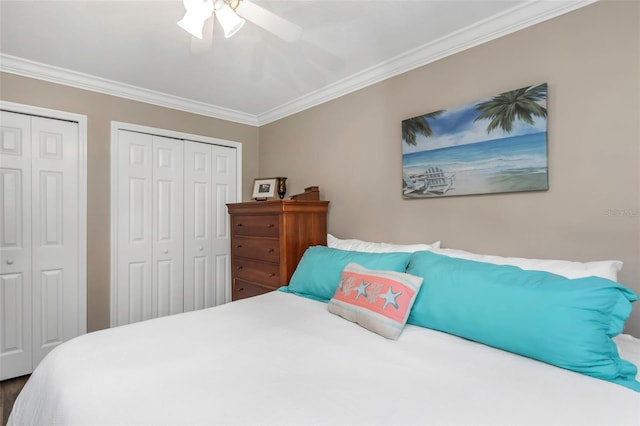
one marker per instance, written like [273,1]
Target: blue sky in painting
[454,121]
[456,126]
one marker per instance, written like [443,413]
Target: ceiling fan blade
[271,22]
[258,59]
[200,46]
[320,56]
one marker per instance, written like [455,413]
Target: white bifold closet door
[172,225]
[209,184]
[39,245]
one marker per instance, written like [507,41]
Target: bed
[284,359]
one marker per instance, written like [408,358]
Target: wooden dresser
[268,238]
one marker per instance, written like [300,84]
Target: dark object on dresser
[282,187]
[310,193]
[269,238]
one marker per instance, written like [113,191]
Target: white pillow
[604,269]
[369,247]
[628,349]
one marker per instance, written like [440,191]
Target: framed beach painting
[494,145]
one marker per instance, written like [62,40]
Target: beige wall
[100,111]
[590,58]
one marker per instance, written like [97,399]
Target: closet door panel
[178,197]
[15,246]
[224,177]
[55,250]
[197,225]
[167,199]
[134,226]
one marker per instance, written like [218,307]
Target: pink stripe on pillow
[377,300]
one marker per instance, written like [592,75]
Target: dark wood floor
[9,390]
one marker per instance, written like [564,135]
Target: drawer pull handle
[271,225]
[271,275]
[241,289]
[240,267]
[9,261]
[239,246]
[239,224]
[270,250]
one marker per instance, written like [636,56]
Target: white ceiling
[134,49]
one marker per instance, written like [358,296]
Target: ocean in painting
[517,163]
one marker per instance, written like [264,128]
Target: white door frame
[82,193]
[115,127]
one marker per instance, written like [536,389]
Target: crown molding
[37,70]
[530,13]
[517,18]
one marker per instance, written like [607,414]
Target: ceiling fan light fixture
[192,24]
[198,11]
[230,21]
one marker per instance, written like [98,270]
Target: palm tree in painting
[522,104]
[411,127]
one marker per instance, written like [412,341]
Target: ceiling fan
[231,15]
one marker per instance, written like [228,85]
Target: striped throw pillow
[379,301]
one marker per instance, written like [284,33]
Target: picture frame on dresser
[264,188]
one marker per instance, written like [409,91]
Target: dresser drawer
[243,289]
[258,225]
[266,249]
[260,272]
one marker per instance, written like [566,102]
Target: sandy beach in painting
[509,164]
[470,183]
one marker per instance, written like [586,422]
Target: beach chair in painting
[412,182]
[436,181]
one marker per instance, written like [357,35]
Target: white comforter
[279,359]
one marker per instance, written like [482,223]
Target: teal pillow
[565,322]
[318,273]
